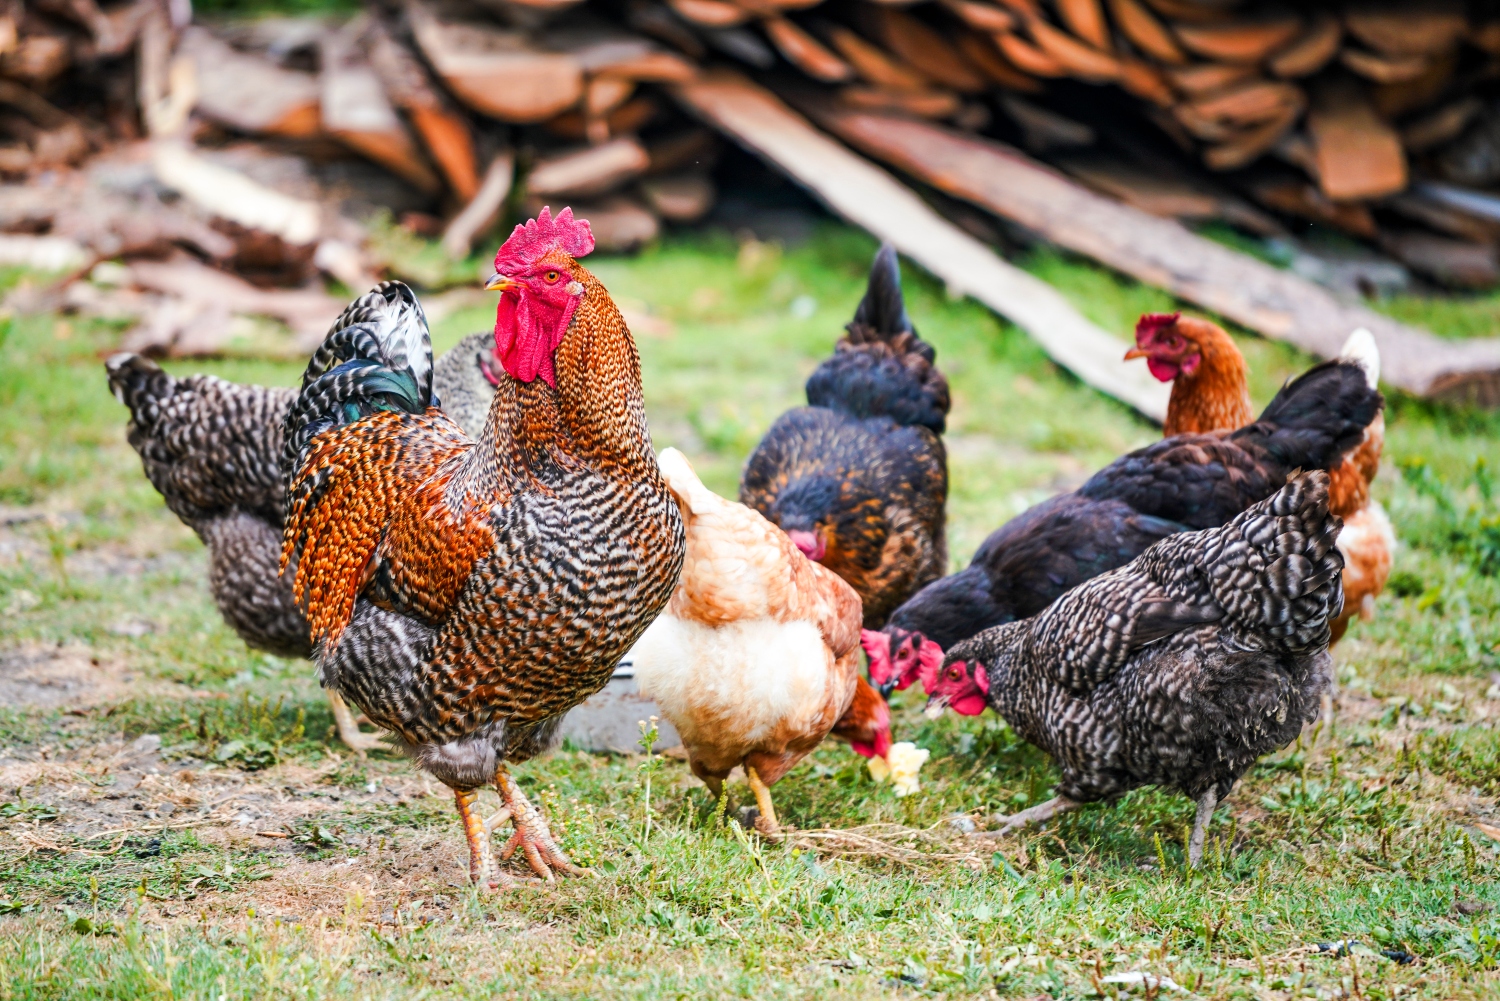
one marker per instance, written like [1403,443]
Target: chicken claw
[1206,804]
[482,869]
[1039,814]
[532,835]
[349,731]
[763,801]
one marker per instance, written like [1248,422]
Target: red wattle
[1164,371]
[527,334]
[968,705]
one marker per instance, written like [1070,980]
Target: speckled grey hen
[1179,669]
[212,448]
[858,478]
[467,593]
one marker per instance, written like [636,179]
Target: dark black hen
[1189,481]
[1179,669]
[213,449]
[859,477]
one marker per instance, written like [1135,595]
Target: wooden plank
[871,198]
[1163,253]
[1358,154]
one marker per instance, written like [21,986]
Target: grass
[1366,831]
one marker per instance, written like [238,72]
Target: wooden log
[1147,33]
[980,50]
[711,13]
[871,198]
[1384,69]
[1311,51]
[1162,253]
[1195,11]
[248,93]
[495,72]
[1027,57]
[1045,129]
[679,197]
[1408,29]
[627,119]
[1251,102]
[444,132]
[1250,144]
[982,16]
[1397,100]
[872,63]
[1441,125]
[1080,60]
[927,51]
[1240,41]
[618,223]
[229,194]
[483,209]
[1208,78]
[1455,263]
[37,59]
[356,111]
[1085,18]
[922,103]
[1146,81]
[805,52]
[1294,196]
[588,171]
[1358,154]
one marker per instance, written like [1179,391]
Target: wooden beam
[1163,253]
[871,198]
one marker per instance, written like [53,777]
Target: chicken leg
[349,731]
[1206,804]
[762,802]
[532,835]
[1039,814]
[482,869]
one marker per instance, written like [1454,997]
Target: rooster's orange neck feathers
[1215,396]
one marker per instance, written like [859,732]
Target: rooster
[466,593]
[859,478]
[756,658]
[1210,392]
[1179,669]
[1190,481]
[213,450]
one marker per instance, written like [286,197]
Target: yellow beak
[1136,353]
[499,282]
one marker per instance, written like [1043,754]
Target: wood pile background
[1377,120]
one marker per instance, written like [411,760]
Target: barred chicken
[756,659]
[467,593]
[858,478]
[1190,481]
[1179,669]
[1210,392]
[212,448]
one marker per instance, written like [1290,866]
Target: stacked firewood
[1374,119]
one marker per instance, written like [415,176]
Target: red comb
[1150,323]
[533,239]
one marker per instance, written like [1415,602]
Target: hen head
[1175,345]
[541,284]
[899,658]
[961,686]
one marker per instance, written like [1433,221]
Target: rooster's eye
[550,277]
[956,674]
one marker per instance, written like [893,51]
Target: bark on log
[1161,252]
[871,198]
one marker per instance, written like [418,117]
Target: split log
[679,197]
[1163,253]
[248,93]
[1240,41]
[927,51]
[1358,154]
[981,50]
[871,198]
[444,132]
[1163,190]
[1384,69]
[1438,127]
[589,171]
[1454,263]
[1408,29]
[1078,59]
[1207,78]
[1085,18]
[1311,51]
[1147,33]
[1027,57]
[806,52]
[982,16]
[876,66]
[231,195]
[357,112]
[482,210]
[497,72]
[619,224]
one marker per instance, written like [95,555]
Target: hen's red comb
[1150,323]
[533,239]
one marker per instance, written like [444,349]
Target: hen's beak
[500,283]
[885,688]
[935,707]
[1136,353]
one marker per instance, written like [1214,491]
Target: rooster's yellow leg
[532,835]
[762,799]
[349,731]
[482,869]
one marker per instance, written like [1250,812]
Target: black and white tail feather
[882,367]
[376,356]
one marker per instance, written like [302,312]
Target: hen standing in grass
[1210,392]
[859,477]
[467,593]
[756,658]
[1179,669]
[212,448]
[1190,481]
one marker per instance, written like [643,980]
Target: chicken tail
[1317,418]
[1275,569]
[881,368]
[1362,350]
[377,356]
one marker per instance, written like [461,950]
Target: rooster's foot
[348,727]
[532,835]
[1206,804]
[1039,814]
[482,869]
[766,823]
